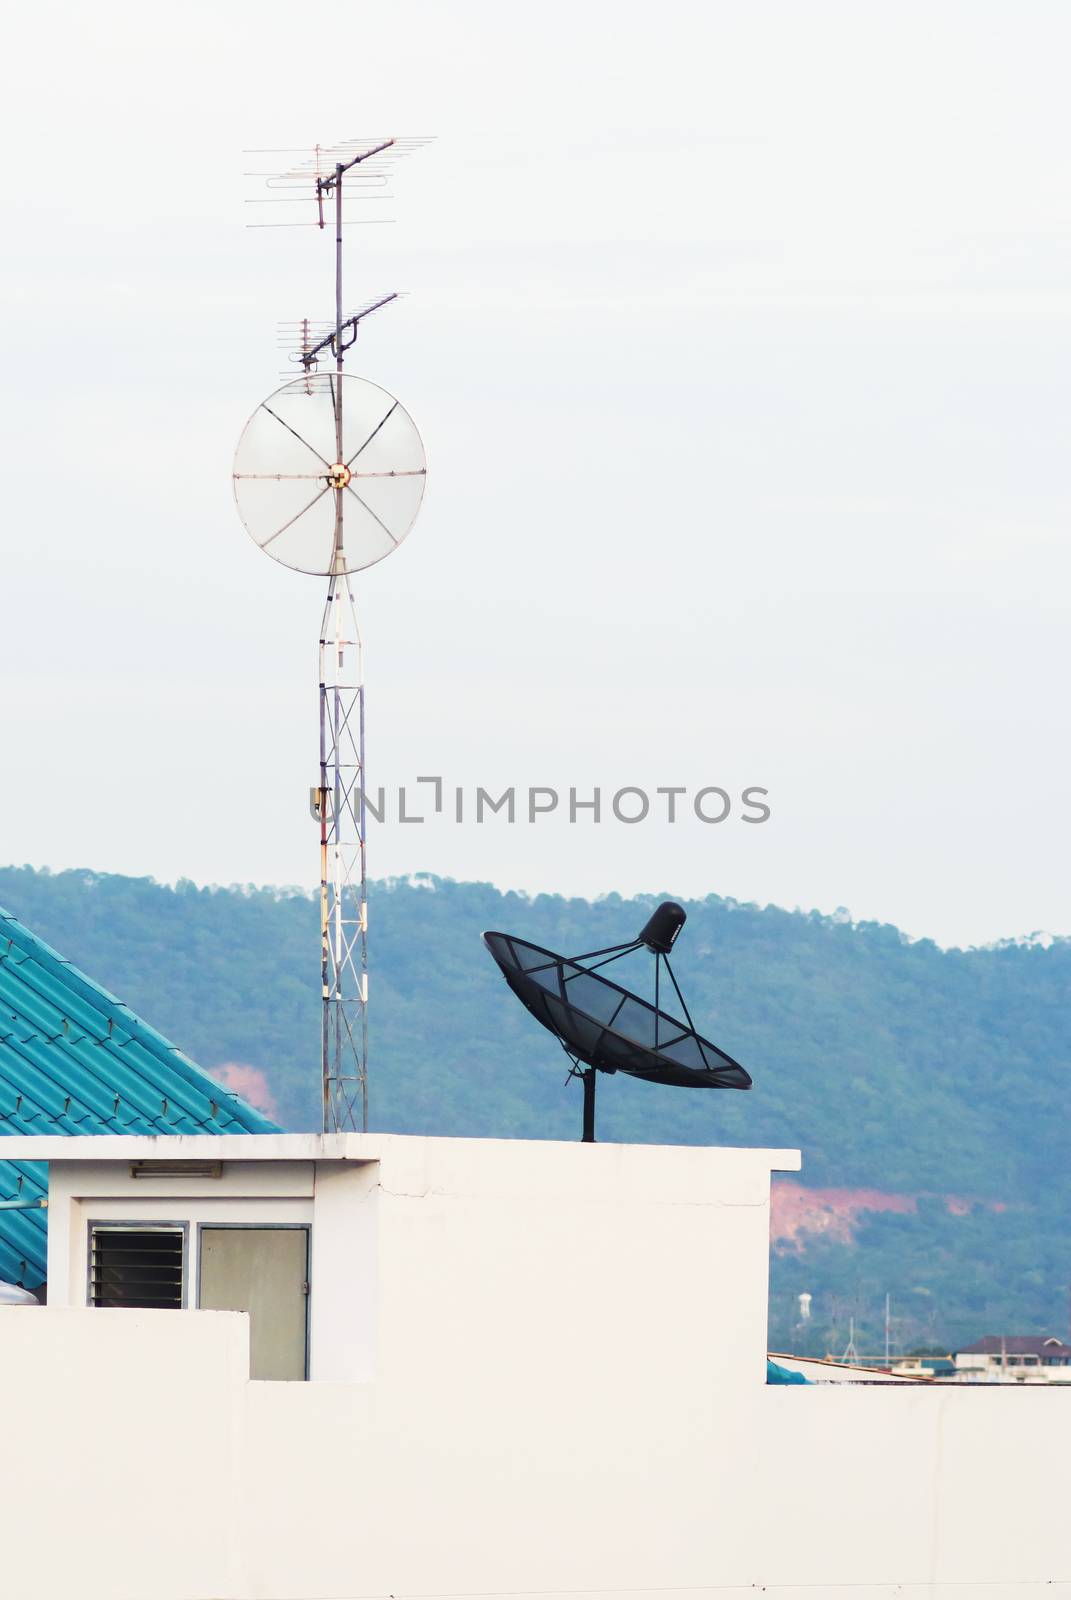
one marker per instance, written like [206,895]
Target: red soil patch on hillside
[796,1211]
[250,1083]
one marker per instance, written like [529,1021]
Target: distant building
[921,1366]
[1015,1358]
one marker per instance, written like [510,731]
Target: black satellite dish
[604,1028]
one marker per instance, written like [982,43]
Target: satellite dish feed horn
[661,930]
[605,1028]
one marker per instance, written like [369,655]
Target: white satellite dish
[329,474]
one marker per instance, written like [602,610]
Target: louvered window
[136,1267]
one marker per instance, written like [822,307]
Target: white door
[263,1271]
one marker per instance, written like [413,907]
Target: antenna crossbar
[325,185]
[335,340]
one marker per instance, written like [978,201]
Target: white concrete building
[535,1369]
[1014,1358]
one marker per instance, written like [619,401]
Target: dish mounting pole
[588,1079]
[341,804]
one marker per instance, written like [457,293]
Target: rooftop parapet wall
[125,1435]
[532,1258]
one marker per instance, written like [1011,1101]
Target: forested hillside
[897,1067]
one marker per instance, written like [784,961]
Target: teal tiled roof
[74,1059]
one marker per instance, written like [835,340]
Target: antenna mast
[338,801]
[342,817]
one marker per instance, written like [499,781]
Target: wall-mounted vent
[176,1169]
[136,1267]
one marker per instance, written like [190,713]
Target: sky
[738,339]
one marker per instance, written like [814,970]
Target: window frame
[155,1225]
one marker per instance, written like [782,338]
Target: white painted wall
[122,1449]
[563,1355]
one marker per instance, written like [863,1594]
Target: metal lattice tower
[340,810]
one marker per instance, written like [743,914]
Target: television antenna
[851,1354]
[328,478]
[605,1028]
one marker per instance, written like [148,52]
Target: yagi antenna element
[328,479]
[300,183]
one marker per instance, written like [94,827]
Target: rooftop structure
[290,1228]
